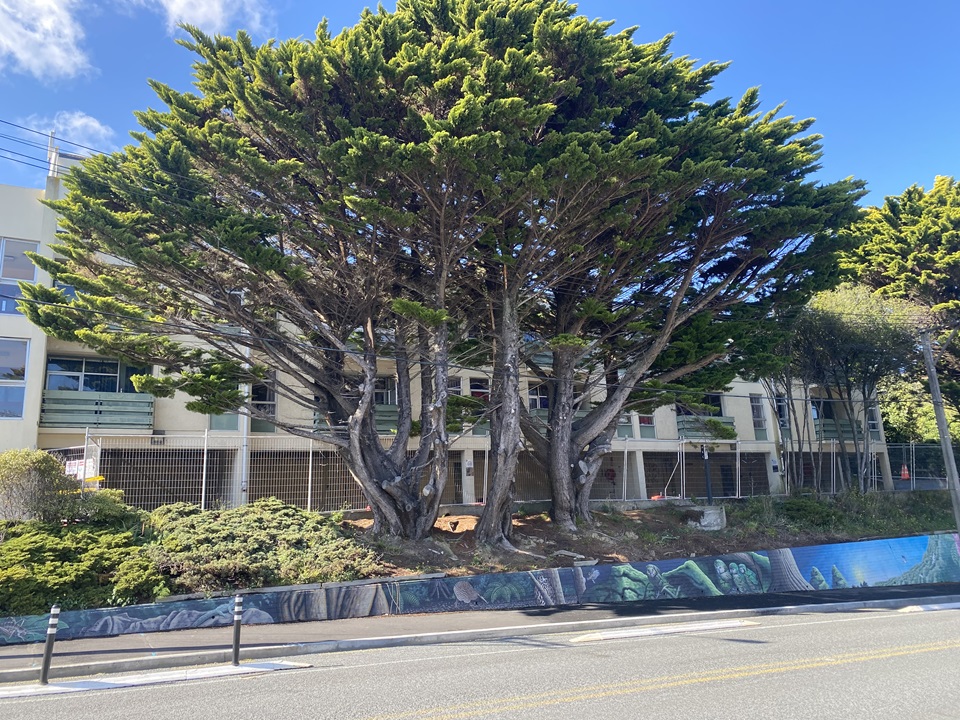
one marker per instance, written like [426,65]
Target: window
[14,266]
[225,422]
[759,421]
[453,386]
[263,399]
[13,377]
[708,406]
[647,428]
[9,294]
[384,391]
[539,397]
[92,375]
[783,413]
[873,422]
[480,388]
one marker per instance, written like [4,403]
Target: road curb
[264,652]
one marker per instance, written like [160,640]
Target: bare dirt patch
[657,533]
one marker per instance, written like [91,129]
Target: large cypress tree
[319,207]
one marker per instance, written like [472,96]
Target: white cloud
[41,38]
[75,131]
[213,16]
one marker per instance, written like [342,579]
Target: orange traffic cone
[904,472]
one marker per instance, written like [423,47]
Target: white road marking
[156,678]
[673,629]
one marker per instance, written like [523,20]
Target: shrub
[257,545]
[34,485]
[812,513]
[74,567]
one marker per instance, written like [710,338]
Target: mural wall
[898,561]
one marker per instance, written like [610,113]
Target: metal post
[310,477]
[237,620]
[623,495]
[48,648]
[203,477]
[83,473]
[705,454]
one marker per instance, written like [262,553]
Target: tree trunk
[559,461]
[496,523]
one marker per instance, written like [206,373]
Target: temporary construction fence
[226,471]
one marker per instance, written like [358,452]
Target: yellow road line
[595,692]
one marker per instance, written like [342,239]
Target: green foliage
[717,430]
[262,544]
[72,566]
[808,512]
[851,514]
[33,484]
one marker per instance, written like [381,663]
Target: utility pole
[946,445]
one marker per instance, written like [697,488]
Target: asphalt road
[866,664]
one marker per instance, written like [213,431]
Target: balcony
[72,409]
[828,429]
[387,417]
[695,427]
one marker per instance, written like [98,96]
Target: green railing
[69,408]
[696,427]
[831,430]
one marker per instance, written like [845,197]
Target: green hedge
[113,554]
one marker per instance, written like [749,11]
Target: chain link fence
[216,471]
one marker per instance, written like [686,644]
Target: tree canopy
[319,213]
[909,248]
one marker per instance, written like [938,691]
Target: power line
[47,135]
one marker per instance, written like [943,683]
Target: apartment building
[62,396]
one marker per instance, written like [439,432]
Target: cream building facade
[62,396]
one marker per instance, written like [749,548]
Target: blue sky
[881,78]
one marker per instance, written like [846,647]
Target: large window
[13,377]
[14,266]
[92,375]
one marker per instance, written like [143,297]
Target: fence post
[48,648]
[237,620]
[310,477]
[203,477]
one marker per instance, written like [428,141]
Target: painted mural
[873,563]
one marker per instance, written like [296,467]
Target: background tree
[909,248]
[848,341]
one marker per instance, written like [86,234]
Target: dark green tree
[320,208]
[909,248]
[751,234]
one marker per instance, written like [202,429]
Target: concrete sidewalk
[185,648]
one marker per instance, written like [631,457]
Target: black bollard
[48,648]
[237,619]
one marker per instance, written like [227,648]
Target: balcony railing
[69,408]
[696,427]
[828,429]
